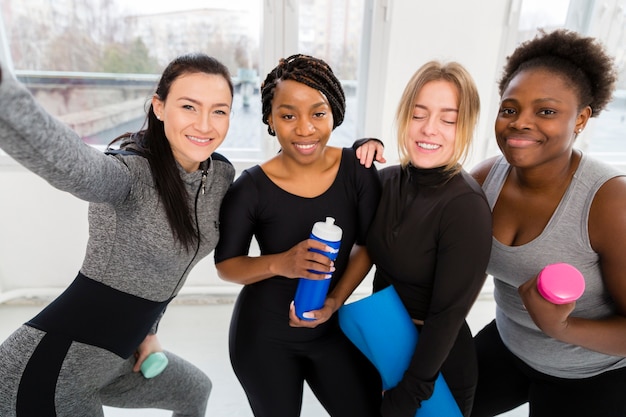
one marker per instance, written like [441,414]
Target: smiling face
[538,118]
[302,119]
[196,116]
[431,132]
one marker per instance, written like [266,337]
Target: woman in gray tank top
[551,203]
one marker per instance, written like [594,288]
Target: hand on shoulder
[369,150]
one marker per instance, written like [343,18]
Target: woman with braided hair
[272,351]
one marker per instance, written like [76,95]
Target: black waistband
[96,314]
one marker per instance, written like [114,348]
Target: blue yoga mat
[381,328]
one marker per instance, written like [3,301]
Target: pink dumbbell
[560,283]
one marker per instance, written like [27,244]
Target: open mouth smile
[428,146]
[199,140]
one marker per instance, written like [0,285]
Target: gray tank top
[564,239]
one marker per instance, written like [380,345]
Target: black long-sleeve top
[431,239]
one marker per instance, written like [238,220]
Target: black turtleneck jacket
[431,239]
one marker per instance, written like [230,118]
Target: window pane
[331,30]
[607,141]
[603,137]
[541,14]
[95,63]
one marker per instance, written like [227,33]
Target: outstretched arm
[50,149]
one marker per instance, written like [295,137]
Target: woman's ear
[157,107]
[270,122]
[270,125]
[582,119]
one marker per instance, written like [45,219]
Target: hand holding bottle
[310,294]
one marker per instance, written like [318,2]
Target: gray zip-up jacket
[131,247]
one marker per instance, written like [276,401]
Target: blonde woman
[431,236]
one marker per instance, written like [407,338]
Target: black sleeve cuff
[398,402]
[363,141]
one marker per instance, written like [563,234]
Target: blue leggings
[505,382]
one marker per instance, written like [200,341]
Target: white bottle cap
[327,230]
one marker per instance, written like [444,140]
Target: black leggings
[272,361]
[505,382]
[460,370]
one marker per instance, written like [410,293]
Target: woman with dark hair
[272,351]
[153,214]
[552,203]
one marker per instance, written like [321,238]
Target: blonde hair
[469,108]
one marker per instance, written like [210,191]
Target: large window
[332,30]
[94,63]
[604,136]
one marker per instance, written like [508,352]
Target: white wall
[43,231]
[418,31]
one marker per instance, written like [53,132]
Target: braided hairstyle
[582,61]
[310,71]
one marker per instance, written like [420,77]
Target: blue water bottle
[311,293]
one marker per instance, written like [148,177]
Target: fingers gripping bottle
[311,293]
